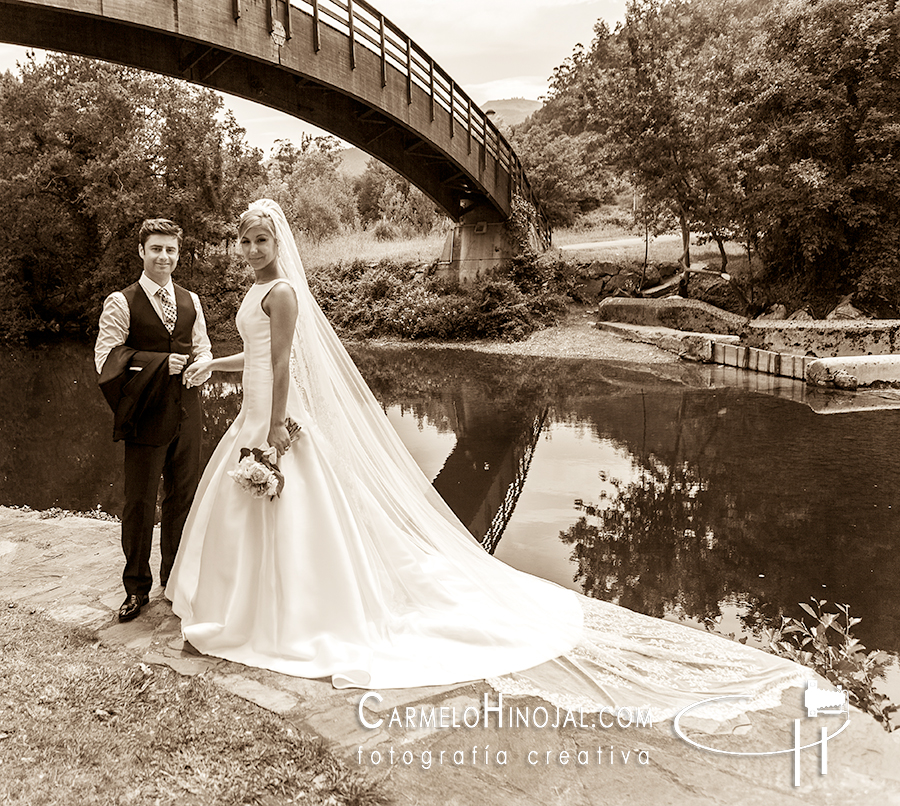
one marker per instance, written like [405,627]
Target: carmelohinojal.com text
[496,715]
[500,716]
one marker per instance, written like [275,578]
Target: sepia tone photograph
[449,403]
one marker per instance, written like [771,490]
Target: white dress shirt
[115,322]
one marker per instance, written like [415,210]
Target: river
[702,502]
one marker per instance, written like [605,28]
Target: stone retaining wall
[820,338]
[825,338]
[675,312]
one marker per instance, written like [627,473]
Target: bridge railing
[365,26]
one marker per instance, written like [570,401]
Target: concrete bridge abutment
[476,246]
[480,244]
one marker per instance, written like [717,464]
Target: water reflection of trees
[648,547]
[222,397]
[749,500]
[416,378]
[56,436]
[56,445]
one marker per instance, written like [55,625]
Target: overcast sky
[501,48]
[493,49]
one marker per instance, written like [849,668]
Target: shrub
[389,299]
[385,230]
[830,648]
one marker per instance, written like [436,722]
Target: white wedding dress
[359,572]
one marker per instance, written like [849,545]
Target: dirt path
[574,337]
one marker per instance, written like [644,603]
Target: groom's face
[160,256]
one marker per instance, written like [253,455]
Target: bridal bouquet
[257,473]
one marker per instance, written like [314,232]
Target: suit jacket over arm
[148,403]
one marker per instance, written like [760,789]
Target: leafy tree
[566,171]
[306,181]
[562,151]
[821,96]
[664,109]
[772,123]
[647,105]
[88,150]
[385,196]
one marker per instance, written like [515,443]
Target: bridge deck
[339,64]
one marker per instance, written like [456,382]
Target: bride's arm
[281,306]
[199,371]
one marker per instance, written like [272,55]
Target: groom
[149,332]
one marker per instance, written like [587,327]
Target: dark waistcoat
[159,423]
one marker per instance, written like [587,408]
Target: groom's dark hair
[159,226]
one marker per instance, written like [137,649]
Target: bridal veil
[527,635]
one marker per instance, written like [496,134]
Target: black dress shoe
[131,607]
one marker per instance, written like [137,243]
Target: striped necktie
[170,312]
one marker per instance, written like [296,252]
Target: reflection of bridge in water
[339,64]
[483,477]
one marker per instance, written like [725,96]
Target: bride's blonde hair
[256,217]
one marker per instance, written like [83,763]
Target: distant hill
[511,111]
[507,112]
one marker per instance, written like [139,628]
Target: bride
[359,572]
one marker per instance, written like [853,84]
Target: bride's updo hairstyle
[256,217]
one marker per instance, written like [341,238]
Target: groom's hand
[196,374]
[177,363]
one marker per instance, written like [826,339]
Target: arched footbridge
[338,64]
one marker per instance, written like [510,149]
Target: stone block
[730,355]
[866,369]
[696,347]
[798,367]
[82,614]
[817,373]
[280,702]
[753,356]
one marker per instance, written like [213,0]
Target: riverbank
[68,569]
[574,336]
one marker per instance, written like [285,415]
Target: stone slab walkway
[69,568]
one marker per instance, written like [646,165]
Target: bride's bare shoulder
[280,298]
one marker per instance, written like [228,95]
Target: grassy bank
[83,724]
[364,246]
[373,289]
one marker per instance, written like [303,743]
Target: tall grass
[606,223]
[363,245]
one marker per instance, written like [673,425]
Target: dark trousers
[179,465]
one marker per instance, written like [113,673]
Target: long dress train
[362,574]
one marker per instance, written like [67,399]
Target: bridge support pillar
[475,247]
